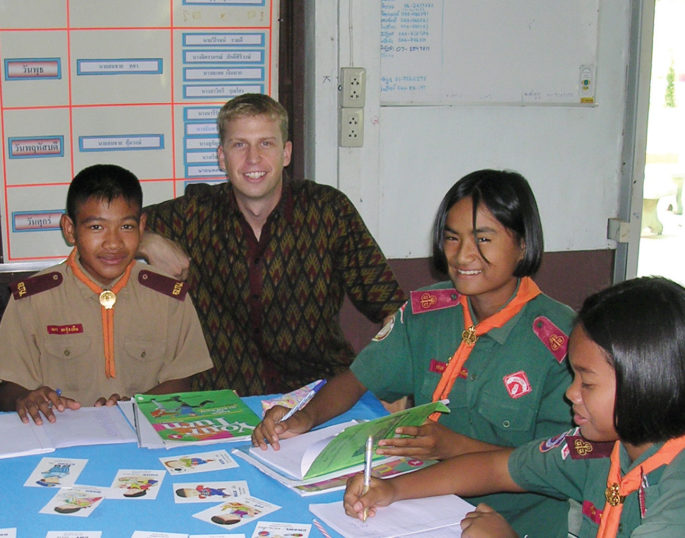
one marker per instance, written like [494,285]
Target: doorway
[662,237]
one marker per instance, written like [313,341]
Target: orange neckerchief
[107,313]
[527,290]
[619,488]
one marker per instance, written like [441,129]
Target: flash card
[55,473]
[198,463]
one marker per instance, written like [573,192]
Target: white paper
[403,518]
[296,452]
[19,439]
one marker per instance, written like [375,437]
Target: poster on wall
[489,52]
[132,83]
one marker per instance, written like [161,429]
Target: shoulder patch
[553,442]
[551,336]
[582,449]
[35,284]
[429,300]
[163,284]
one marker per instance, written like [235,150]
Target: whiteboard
[526,52]
[135,83]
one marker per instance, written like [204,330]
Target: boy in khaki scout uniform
[99,327]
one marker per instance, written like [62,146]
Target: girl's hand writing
[380,493]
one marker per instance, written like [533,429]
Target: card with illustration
[270,529]
[237,512]
[55,473]
[73,534]
[153,534]
[209,492]
[136,484]
[199,462]
[77,501]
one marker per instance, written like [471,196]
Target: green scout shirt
[570,466]
[511,389]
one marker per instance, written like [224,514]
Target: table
[19,505]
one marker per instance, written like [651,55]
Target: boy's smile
[106,235]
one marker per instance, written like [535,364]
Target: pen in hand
[304,401]
[368,456]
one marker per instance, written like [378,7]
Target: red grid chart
[131,82]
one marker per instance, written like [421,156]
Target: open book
[84,426]
[338,448]
[192,418]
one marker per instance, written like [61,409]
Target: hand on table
[43,400]
[112,400]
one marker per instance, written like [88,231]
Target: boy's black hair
[510,199]
[640,324]
[103,182]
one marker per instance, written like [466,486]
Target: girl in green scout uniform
[625,462]
[488,340]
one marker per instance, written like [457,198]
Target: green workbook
[338,448]
[201,417]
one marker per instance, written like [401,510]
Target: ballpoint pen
[304,401]
[368,455]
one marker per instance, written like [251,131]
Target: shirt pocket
[69,359]
[511,417]
[144,351]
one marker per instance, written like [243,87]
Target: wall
[572,155]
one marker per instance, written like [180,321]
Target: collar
[285,206]
[85,291]
[501,334]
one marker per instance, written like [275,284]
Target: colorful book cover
[197,417]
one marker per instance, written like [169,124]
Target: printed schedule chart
[130,82]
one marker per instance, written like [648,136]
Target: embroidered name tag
[65,329]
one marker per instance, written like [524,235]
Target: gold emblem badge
[583,448]
[556,342]
[612,495]
[427,300]
[469,335]
[107,299]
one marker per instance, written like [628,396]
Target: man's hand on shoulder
[166,255]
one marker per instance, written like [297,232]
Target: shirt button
[143,354]
[67,352]
[506,423]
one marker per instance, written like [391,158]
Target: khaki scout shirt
[54,336]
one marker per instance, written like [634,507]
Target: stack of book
[192,418]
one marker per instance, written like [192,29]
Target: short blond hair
[252,104]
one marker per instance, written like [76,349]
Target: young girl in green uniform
[487,339]
[625,461]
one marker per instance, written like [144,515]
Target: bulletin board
[137,83]
[524,52]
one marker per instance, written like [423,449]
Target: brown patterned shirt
[270,309]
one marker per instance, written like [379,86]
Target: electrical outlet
[351,127]
[353,86]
